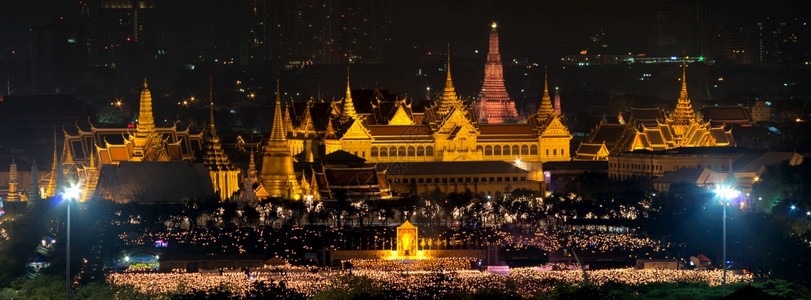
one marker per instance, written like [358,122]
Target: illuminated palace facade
[446,130]
[86,152]
[395,132]
[654,129]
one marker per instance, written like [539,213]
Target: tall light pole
[726,193]
[72,193]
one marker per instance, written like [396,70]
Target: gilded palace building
[86,154]
[395,131]
[384,131]
[654,129]
[445,130]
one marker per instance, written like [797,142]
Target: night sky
[529,28]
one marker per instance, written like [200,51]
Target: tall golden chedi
[224,177]
[278,177]
[146,144]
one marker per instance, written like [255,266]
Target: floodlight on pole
[72,193]
[726,193]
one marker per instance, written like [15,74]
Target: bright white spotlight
[73,192]
[726,192]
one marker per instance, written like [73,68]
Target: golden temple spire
[277,132]
[545,109]
[67,157]
[683,114]
[211,106]
[683,94]
[146,121]
[448,99]
[545,84]
[224,177]
[348,110]
[93,157]
[13,183]
[314,187]
[51,191]
[278,177]
[252,168]
[448,80]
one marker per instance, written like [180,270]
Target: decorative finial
[145,82]
[278,93]
[545,83]
[494,25]
[449,61]
[684,76]
[347,79]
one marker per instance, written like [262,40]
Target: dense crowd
[292,243]
[437,264]
[528,281]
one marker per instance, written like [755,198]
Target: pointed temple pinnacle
[211,103]
[278,94]
[93,158]
[448,98]
[277,132]
[545,109]
[146,122]
[448,81]
[683,113]
[545,84]
[55,146]
[349,107]
[495,105]
[348,91]
[684,77]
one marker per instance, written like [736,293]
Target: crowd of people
[436,264]
[308,281]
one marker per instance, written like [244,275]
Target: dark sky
[17,16]
[534,27]
[531,27]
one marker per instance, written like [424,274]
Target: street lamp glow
[72,193]
[727,193]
